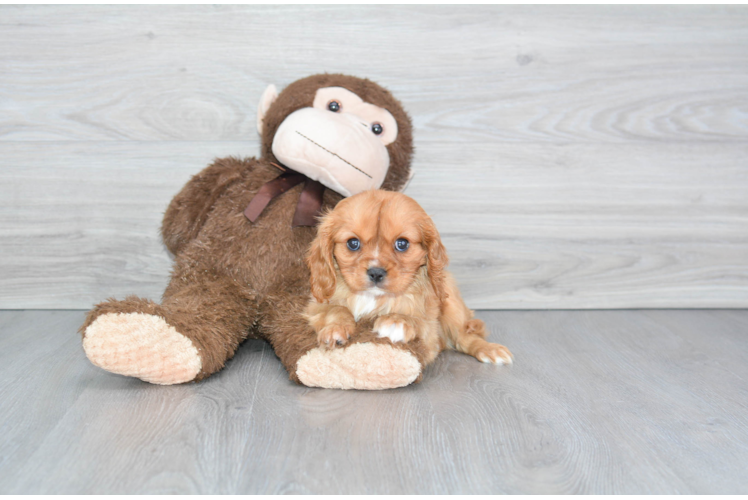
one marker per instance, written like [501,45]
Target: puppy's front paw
[394,328]
[335,334]
[493,353]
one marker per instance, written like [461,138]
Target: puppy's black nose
[376,274]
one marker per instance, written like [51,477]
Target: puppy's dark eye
[333,106]
[353,244]
[377,129]
[401,244]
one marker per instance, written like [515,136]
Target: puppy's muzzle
[376,274]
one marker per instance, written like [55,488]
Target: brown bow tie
[308,207]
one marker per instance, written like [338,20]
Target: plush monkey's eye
[333,106]
[353,244]
[401,244]
[377,129]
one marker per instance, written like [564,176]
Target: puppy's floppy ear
[437,259]
[320,260]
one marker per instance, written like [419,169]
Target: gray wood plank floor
[597,402]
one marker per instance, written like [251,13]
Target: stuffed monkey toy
[239,231]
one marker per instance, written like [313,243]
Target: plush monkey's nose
[376,274]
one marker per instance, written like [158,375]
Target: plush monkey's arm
[189,209]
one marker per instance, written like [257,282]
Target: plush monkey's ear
[320,261]
[267,99]
[407,182]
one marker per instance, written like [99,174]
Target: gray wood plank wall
[572,157]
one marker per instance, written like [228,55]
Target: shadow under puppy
[378,257]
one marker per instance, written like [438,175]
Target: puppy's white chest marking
[363,304]
[394,331]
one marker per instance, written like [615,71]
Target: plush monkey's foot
[359,366]
[143,346]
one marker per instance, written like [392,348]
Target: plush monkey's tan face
[340,140]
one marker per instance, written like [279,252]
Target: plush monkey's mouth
[334,154]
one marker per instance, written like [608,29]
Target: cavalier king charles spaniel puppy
[378,256]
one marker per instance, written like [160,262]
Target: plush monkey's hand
[188,210]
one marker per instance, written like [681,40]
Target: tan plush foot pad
[359,366]
[143,346]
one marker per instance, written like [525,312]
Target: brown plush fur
[233,279]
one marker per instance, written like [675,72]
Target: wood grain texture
[573,157]
[596,402]
[551,73]
[82,224]
[74,230]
